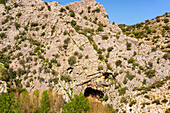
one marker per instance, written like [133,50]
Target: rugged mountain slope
[154,32]
[72,47]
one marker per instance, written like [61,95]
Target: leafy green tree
[9,104]
[45,102]
[3,2]
[36,98]
[78,104]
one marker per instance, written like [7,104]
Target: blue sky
[130,11]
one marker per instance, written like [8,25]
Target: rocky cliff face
[69,48]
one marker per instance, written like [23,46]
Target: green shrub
[43,34]
[65,46]
[78,104]
[62,10]
[122,91]
[105,98]
[65,32]
[154,49]
[156,101]
[166,56]
[123,100]
[105,37]
[100,68]
[129,76]
[3,2]
[34,24]
[73,23]
[2,35]
[72,60]
[85,17]
[101,57]
[100,29]
[158,20]
[86,57]
[96,10]
[109,49]
[72,14]
[17,25]
[132,102]
[76,53]
[43,26]
[66,41]
[18,14]
[166,27]
[128,45]
[166,20]
[49,8]
[66,78]
[150,73]
[164,101]
[118,63]
[67,7]
[146,96]
[131,60]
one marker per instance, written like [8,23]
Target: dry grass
[97,106]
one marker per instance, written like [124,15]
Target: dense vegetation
[49,102]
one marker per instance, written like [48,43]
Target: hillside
[153,32]
[74,48]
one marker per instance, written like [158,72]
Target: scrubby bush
[100,28]
[166,56]
[66,41]
[132,102]
[62,10]
[43,34]
[109,49]
[150,73]
[18,14]
[34,24]
[100,68]
[72,14]
[154,49]
[122,91]
[66,78]
[131,60]
[96,10]
[72,60]
[166,20]
[129,76]
[105,37]
[3,2]
[101,57]
[17,25]
[73,23]
[158,20]
[118,63]
[128,45]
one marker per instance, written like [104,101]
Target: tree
[25,101]
[36,99]
[78,104]
[45,102]
[9,104]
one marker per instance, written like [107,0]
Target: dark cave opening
[94,93]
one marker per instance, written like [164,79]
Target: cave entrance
[94,93]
